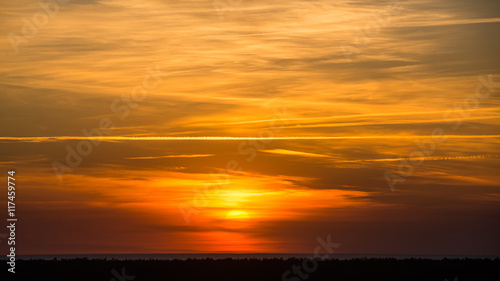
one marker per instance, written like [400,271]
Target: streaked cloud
[170,156]
[296,153]
[152,138]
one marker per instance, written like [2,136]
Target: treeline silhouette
[383,269]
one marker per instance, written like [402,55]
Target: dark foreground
[255,270]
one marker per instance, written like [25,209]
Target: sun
[237,215]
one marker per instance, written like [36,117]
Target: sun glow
[237,214]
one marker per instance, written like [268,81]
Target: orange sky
[250,129]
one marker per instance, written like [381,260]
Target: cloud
[223,138]
[322,172]
[171,156]
[294,153]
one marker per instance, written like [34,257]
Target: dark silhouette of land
[386,269]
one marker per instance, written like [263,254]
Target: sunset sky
[271,122]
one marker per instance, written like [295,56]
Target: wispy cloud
[292,152]
[171,156]
[423,158]
[221,138]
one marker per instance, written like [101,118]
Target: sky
[252,126]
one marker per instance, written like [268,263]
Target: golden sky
[271,122]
